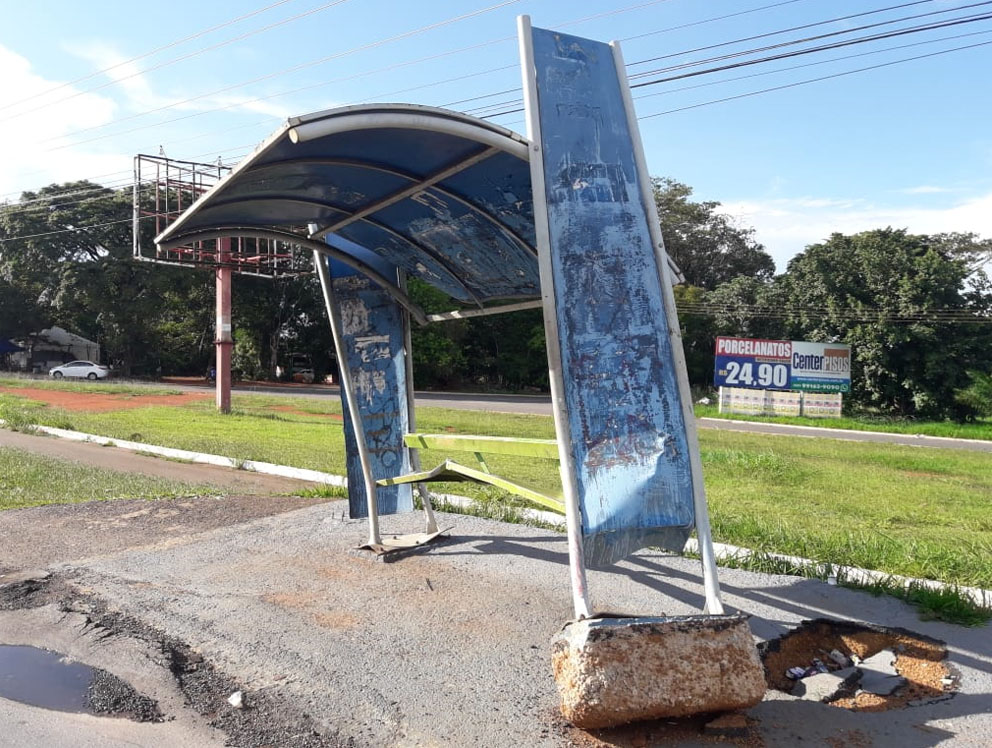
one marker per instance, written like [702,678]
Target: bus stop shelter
[562,219]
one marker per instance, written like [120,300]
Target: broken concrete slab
[826,687]
[611,671]
[880,675]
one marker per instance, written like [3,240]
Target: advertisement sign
[782,365]
[820,367]
[754,364]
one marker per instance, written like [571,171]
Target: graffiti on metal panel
[373,327]
[626,429]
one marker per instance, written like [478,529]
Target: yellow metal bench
[451,471]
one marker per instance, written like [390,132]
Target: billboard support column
[224,340]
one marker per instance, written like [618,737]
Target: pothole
[50,680]
[858,667]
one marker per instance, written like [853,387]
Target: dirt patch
[919,659]
[101,402]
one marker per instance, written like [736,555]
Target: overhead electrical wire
[562,24]
[814,80]
[324,83]
[771,58]
[795,53]
[173,61]
[142,56]
[952,22]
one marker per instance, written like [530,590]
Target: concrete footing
[611,671]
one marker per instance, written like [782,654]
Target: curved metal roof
[444,196]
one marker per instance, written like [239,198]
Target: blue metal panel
[627,434]
[373,327]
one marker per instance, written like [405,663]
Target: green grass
[27,479]
[98,386]
[901,510]
[981,429]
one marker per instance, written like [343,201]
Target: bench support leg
[348,386]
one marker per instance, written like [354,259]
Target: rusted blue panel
[626,429]
[373,327]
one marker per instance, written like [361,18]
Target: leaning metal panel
[164,189]
[626,433]
[374,333]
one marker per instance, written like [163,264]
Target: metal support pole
[711,584]
[573,515]
[224,341]
[348,387]
[425,496]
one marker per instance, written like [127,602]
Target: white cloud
[925,189]
[785,226]
[27,164]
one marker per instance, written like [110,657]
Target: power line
[321,84]
[811,64]
[186,56]
[822,48]
[813,80]
[155,51]
[562,24]
[295,68]
[771,58]
[797,28]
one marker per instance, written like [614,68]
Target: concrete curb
[722,550]
[849,434]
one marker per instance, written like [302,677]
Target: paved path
[451,647]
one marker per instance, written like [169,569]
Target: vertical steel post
[425,496]
[348,387]
[711,584]
[224,341]
[573,518]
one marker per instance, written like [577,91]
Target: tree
[903,303]
[750,308]
[706,245]
[697,327]
[67,252]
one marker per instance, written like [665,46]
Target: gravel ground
[451,647]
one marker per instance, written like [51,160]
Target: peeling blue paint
[627,434]
[373,327]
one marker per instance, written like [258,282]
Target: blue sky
[906,145]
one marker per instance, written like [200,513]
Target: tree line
[914,308]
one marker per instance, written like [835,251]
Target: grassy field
[903,510]
[981,429]
[27,479]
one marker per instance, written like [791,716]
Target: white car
[80,370]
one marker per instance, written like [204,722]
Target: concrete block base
[611,671]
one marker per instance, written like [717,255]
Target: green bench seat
[451,471]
